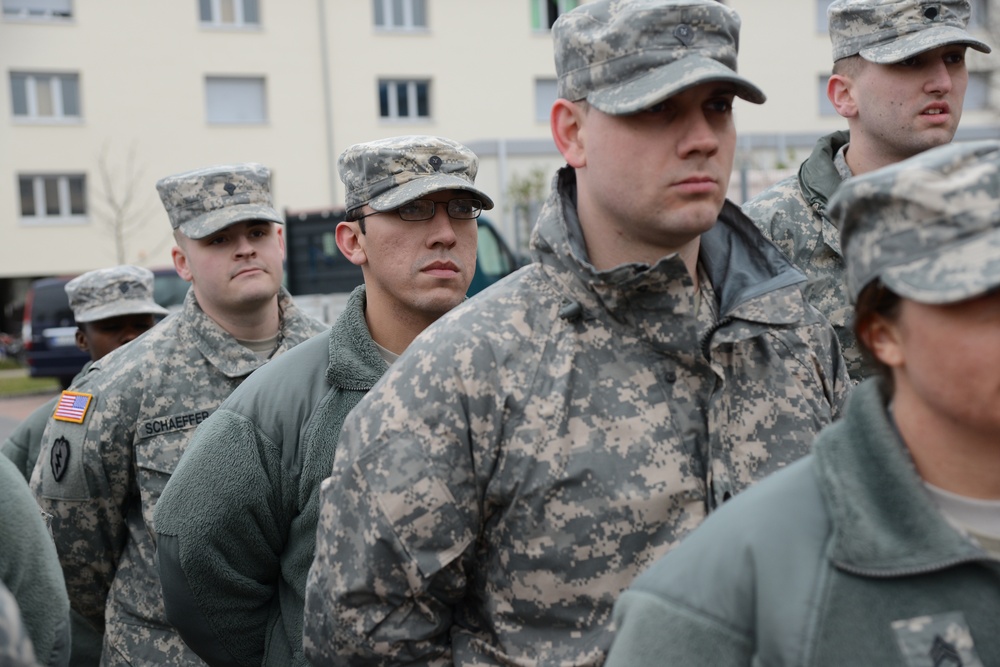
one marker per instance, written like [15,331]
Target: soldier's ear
[566,121]
[81,340]
[841,92]
[351,242]
[881,336]
[181,263]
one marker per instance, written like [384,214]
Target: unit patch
[59,458]
[941,640]
[72,407]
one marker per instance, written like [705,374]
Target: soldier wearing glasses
[237,521]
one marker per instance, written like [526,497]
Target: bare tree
[118,200]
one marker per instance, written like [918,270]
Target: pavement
[13,410]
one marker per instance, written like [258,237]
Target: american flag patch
[72,407]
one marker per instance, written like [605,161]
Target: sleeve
[221,528]
[399,517]
[83,478]
[30,569]
[25,441]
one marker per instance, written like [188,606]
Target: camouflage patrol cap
[928,227]
[112,292]
[623,56]
[889,31]
[203,201]
[387,173]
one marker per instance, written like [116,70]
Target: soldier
[111,307]
[899,78]
[538,446]
[111,447]
[15,644]
[882,547]
[243,505]
[29,569]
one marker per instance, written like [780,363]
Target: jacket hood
[818,177]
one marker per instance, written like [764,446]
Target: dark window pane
[397,13]
[379,13]
[552,8]
[251,12]
[419,14]
[402,100]
[77,202]
[70,95]
[383,100]
[52,196]
[205,10]
[19,94]
[423,103]
[27,196]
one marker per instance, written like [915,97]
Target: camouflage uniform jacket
[792,213]
[101,478]
[537,447]
[29,568]
[25,442]
[243,504]
[841,559]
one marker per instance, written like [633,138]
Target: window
[545,12]
[545,95]
[53,198]
[977,95]
[822,24]
[404,99]
[45,96]
[235,100]
[825,105]
[229,13]
[38,9]
[400,14]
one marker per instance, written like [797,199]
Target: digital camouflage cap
[203,201]
[112,292]
[623,56]
[387,173]
[889,31]
[928,227]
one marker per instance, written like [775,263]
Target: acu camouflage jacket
[536,448]
[101,478]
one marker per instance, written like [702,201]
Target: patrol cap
[889,31]
[928,227]
[203,201]
[623,56]
[387,173]
[112,292]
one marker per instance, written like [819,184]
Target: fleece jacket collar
[355,362]
[745,270]
[885,523]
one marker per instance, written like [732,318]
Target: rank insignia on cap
[59,458]
[72,407]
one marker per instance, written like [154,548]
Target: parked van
[49,330]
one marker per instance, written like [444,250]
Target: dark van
[49,330]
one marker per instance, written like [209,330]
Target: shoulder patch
[59,457]
[941,640]
[72,407]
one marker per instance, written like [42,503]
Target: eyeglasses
[424,209]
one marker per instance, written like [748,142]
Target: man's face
[653,181]
[420,269]
[236,269]
[908,107]
[103,336]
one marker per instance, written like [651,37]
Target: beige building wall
[142,69]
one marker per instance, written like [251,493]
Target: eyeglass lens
[423,209]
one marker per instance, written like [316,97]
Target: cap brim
[120,309]
[423,186]
[667,81]
[918,42]
[961,272]
[208,223]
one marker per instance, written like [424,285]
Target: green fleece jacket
[29,568]
[236,523]
[840,559]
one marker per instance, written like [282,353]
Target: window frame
[413,96]
[38,186]
[31,86]
[542,85]
[239,16]
[541,21]
[25,13]
[388,15]
[247,78]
